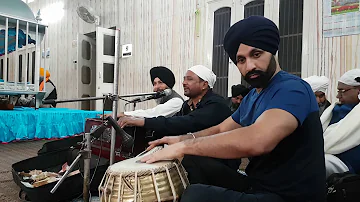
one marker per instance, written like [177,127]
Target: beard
[263,78]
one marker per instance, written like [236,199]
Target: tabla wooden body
[131,180]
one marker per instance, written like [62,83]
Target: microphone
[98,131]
[127,140]
[160,94]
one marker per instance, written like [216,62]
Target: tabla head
[134,164]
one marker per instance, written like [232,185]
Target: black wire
[97,164]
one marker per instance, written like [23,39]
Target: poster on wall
[341,17]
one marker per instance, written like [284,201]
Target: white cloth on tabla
[351,78]
[318,83]
[205,74]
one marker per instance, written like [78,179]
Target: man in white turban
[204,73]
[341,127]
[202,110]
[319,85]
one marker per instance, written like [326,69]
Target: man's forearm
[227,125]
[203,133]
[207,132]
[228,145]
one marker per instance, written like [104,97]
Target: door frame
[88,89]
[101,87]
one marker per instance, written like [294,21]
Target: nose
[318,99]
[338,96]
[250,65]
[184,83]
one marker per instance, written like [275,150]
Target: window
[254,8]
[85,75]
[108,71]
[220,62]
[290,26]
[109,47]
[85,50]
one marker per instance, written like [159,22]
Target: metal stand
[115,103]
[86,155]
[87,158]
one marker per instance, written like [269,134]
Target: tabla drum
[131,180]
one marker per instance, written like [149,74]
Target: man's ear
[206,85]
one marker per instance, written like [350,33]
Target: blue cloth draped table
[24,123]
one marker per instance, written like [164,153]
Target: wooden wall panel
[168,33]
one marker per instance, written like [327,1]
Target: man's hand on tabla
[174,151]
[165,140]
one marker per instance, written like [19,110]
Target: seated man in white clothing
[319,85]
[162,78]
[341,127]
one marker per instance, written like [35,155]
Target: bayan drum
[131,180]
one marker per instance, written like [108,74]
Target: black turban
[164,74]
[255,31]
[239,89]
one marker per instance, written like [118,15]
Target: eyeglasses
[343,91]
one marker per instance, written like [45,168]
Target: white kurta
[344,135]
[339,137]
[168,109]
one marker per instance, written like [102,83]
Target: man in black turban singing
[277,126]
[162,78]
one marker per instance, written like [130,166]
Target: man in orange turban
[45,84]
[50,88]
[42,84]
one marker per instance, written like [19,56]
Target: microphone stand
[86,155]
[127,141]
[87,152]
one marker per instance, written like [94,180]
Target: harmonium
[101,146]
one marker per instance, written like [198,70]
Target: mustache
[258,72]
